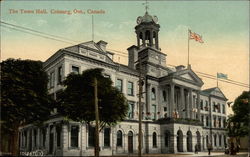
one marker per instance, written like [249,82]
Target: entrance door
[130,142]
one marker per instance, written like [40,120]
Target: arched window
[91,136]
[119,138]
[154,140]
[207,140]
[107,137]
[164,95]
[153,95]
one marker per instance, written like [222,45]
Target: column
[138,39]
[173,143]
[190,107]
[33,139]
[198,105]
[143,38]
[172,105]
[184,143]
[47,138]
[156,41]
[181,112]
[151,38]
[38,138]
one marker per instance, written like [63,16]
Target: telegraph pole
[96,120]
[140,111]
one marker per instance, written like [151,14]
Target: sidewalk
[186,154]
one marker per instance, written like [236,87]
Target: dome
[147,18]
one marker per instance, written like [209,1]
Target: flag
[195,36]
[221,75]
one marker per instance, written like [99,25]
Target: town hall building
[177,113]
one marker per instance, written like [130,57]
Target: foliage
[238,124]
[24,96]
[76,101]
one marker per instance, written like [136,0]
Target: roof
[128,70]
[215,91]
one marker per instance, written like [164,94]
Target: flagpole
[217,80]
[92,27]
[188,45]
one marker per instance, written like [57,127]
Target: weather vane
[146,5]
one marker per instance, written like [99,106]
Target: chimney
[102,44]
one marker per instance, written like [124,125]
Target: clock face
[155,19]
[139,19]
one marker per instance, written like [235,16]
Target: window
[107,137]
[223,108]
[219,122]
[119,85]
[130,88]
[201,105]
[74,136]
[58,137]
[119,139]
[131,110]
[202,120]
[219,140]
[214,106]
[51,79]
[206,106]
[154,140]
[164,95]
[215,121]
[91,136]
[165,109]
[59,77]
[207,140]
[207,121]
[153,112]
[218,108]
[75,69]
[153,95]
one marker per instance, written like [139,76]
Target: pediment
[215,92]
[189,76]
[92,45]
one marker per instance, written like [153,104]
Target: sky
[224,26]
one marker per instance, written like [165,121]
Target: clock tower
[147,31]
[147,50]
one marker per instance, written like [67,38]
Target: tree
[76,101]
[238,124]
[24,98]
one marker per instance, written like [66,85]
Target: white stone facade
[177,114]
